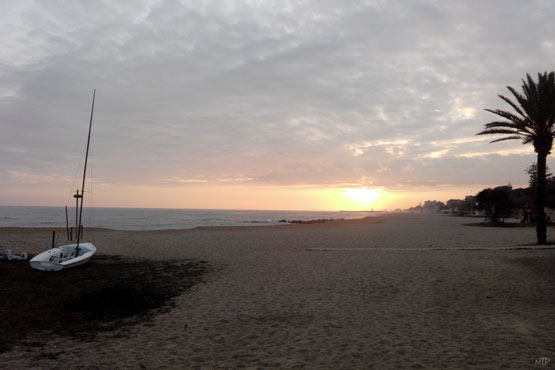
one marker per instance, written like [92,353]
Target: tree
[496,203]
[532,172]
[533,122]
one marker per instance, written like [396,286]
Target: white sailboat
[71,255]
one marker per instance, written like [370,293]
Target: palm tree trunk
[541,227]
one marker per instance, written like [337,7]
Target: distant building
[432,206]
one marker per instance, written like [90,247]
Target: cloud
[392,146]
[285,93]
[34,178]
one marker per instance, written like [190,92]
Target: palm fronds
[534,120]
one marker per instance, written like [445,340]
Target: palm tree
[534,123]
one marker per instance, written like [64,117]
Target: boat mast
[67,225]
[84,175]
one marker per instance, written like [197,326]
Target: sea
[159,219]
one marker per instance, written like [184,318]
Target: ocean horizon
[159,218]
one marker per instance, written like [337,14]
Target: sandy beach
[400,291]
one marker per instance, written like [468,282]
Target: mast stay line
[84,175]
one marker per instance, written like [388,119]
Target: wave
[267,221]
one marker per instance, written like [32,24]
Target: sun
[362,199]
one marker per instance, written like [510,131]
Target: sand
[402,291]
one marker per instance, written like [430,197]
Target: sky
[313,105]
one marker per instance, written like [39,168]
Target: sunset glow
[240,196]
[363,199]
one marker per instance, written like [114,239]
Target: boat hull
[63,257]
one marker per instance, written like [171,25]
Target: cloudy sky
[263,104]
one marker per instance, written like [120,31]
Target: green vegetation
[496,203]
